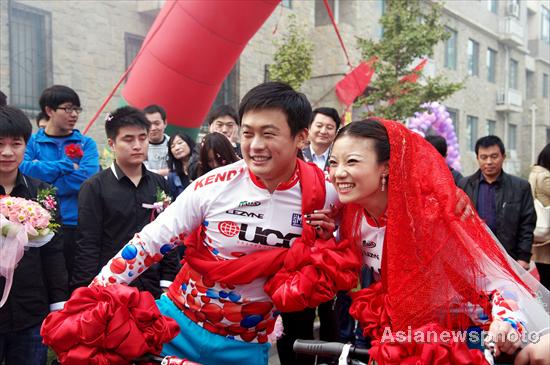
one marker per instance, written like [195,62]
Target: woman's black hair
[222,149]
[372,129]
[173,163]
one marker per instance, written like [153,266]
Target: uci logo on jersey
[266,237]
[296,220]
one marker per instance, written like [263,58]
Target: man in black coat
[504,201]
[118,202]
[39,282]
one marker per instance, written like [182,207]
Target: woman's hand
[536,353]
[463,208]
[503,337]
[324,221]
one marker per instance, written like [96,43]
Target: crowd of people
[278,212]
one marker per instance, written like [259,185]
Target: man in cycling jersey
[250,208]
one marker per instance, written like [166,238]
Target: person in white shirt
[157,156]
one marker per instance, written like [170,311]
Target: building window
[453,114]
[287,3]
[491,127]
[228,94]
[545,24]
[132,45]
[473,58]
[450,49]
[545,86]
[491,65]
[512,137]
[30,55]
[530,85]
[492,6]
[471,131]
[382,7]
[321,13]
[513,74]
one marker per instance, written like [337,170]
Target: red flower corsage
[74,151]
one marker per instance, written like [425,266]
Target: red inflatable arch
[189,51]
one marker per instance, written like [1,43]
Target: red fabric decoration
[307,274]
[413,76]
[73,151]
[371,307]
[107,326]
[355,82]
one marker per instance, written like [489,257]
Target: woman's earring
[383,183]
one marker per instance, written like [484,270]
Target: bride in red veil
[435,271]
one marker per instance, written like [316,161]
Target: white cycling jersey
[238,216]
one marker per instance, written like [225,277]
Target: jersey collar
[282,186]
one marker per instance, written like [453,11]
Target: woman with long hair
[434,273]
[216,151]
[539,178]
[180,149]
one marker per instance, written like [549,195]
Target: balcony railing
[511,31]
[509,101]
[539,49]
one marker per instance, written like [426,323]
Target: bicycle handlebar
[329,349]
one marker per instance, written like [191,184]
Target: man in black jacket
[40,279]
[321,133]
[118,202]
[504,201]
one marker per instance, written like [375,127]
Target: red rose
[74,150]
[112,325]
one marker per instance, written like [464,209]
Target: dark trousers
[299,325]
[69,248]
[544,272]
[23,347]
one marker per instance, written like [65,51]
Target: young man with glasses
[60,155]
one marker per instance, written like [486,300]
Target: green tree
[293,58]
[411,29]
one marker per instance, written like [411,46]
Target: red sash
[307,274]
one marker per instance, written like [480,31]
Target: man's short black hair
[280,96]
[439,143]
[56,95]
[152,109]
[222,111]
[329,112]
[489,141]
[124,117]
[3,99]
[14,123]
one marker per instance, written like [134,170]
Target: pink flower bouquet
[23,223]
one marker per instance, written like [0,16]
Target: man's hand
[535,353]
[504,337]
[76,166]
[524,264]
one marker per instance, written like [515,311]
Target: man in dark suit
[322,131]
[504,201]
